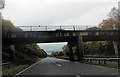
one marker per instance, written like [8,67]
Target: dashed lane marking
[57,64]
[78,76]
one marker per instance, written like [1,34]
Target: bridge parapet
[61,36]
[48,28]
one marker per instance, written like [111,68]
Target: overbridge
[73,37]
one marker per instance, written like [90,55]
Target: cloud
[52,12]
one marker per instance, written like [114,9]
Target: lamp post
[2,4]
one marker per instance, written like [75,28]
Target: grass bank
[96,62]
[14,69]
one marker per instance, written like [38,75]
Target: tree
[98,47]
[109,24]
[112,22]
[23,52]
[52,54]
[8,27]
[92,28]
[2,4]
[66,50]
[43,53]
[61,53]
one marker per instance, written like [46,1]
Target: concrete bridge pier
[118,48]
[116,45]
[70,45]
[80,50]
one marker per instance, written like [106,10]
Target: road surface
[54,66]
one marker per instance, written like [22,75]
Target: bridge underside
[50,39]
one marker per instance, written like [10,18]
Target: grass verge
[13,69]
[108,63]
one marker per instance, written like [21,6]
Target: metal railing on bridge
[53,28]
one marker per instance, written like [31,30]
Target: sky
[52,47]
[57,12]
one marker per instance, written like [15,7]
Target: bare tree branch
[2,4]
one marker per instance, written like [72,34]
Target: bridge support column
[118,48]
[116,45]
[80,50]
[71,51]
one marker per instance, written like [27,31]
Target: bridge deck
[61,36]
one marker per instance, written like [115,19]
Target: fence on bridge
[54,28]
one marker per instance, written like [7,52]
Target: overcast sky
[52,47]
[57,12]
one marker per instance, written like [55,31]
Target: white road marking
[57,64]
[78,76]
[76,62]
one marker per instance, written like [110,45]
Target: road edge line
[26,69]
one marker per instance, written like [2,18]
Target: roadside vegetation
[108,63]
[14,69]
[23,52]
[24,55]
[101,48]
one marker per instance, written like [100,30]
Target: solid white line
[26,69]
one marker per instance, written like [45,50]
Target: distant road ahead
[53,66]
